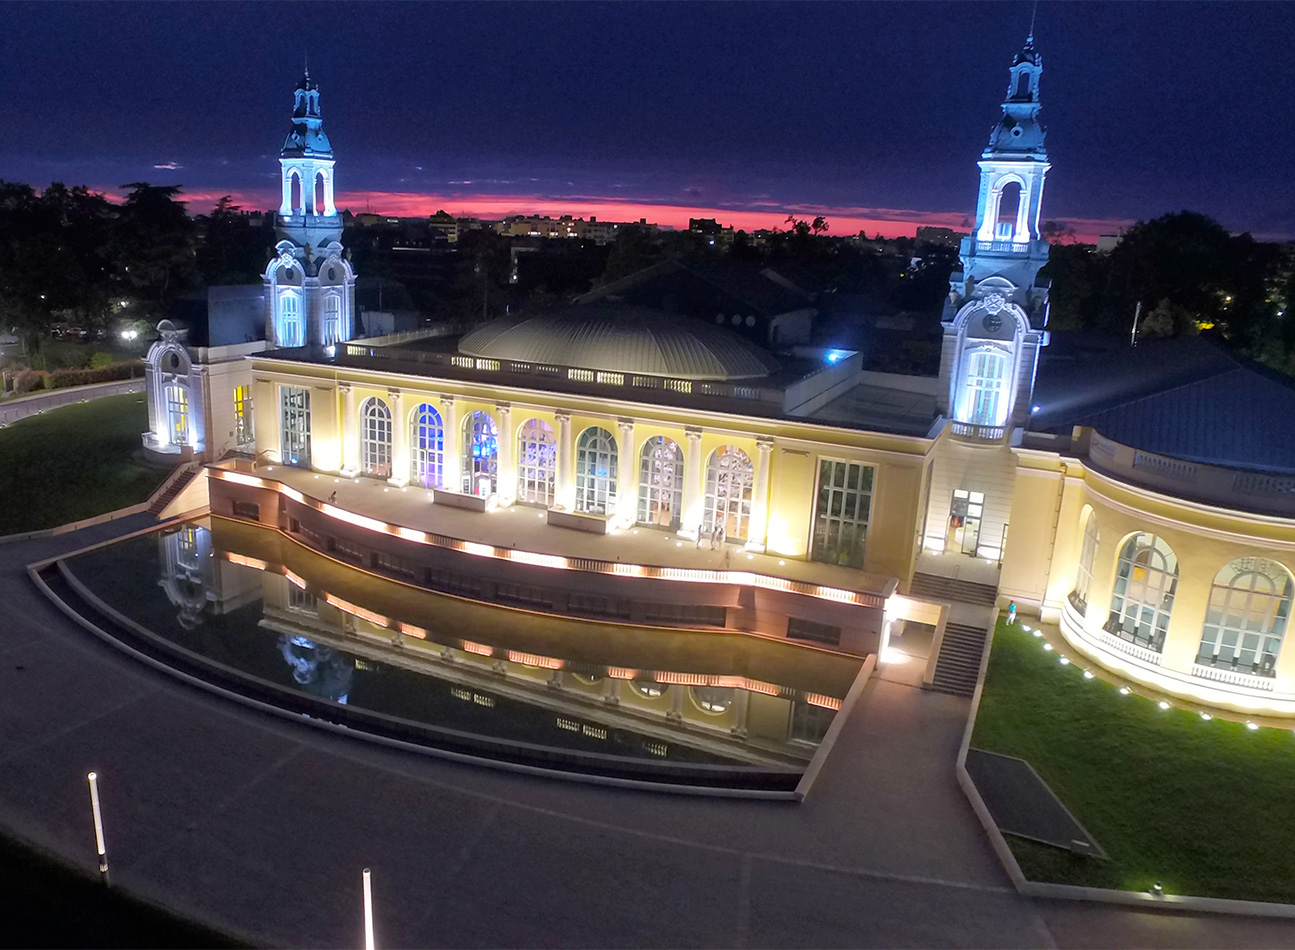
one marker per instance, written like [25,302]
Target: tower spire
[1029,40]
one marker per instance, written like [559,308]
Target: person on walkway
[332,499]
[1011,613]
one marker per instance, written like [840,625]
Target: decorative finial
[1029,40]
[305,56]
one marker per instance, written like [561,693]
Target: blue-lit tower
[309,285]
[997,307]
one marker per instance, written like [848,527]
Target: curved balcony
[1258,492]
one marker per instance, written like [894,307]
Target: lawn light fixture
[1162,704]
[1206,716]
[1037,633]
[1029,629]
[1124,691]
[1088,674]
[1065,661]
[1157,889]
[1047,647]
[1252,726]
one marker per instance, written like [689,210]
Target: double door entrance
[965,514]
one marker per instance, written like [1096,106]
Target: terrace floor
[526,529]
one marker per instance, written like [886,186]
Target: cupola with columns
[309,284]
[997,307]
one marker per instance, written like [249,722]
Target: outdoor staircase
[175,484]
[958,665]
[953,591]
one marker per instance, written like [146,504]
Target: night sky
[872,114]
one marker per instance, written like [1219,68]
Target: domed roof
[621,339]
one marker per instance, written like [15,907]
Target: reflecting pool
[247,608]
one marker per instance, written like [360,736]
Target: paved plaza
[261,826]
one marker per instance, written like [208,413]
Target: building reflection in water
[318,670]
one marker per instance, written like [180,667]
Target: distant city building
[445,224]
[717,234]
[1108,242]
[945,236]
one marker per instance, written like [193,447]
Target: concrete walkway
[262,826]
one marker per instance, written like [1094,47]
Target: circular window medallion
[173,361]
[993,322]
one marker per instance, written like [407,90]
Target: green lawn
[74,463]
[50,905]
[1207,808]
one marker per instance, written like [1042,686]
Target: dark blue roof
[1186,398]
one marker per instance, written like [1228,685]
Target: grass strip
[74,462]
[1205,807]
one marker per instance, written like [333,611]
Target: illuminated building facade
[1160,545]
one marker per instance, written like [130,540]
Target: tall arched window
[320,205]
[1087,554]
[986,381]
[177,413]
[427,448]
[294,185]
[1142,600]
[729,478]
[291,329]
[375,438]
[294,426]
[660,483]
[332,322]
[1023,85]
[480,454]
[596,461]
[1250,604]
[537,463]
[1009,204]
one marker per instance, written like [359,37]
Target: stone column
[690,517]
[760,496]
[612,691]
[742,714]
[350,432]
[453,468]
[565,489]
[399,439]
[506,487]
[626,474]
[675,712]
[265,413]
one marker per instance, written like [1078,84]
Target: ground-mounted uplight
[1162,704]
[750,557]
[1037,633]
[1206,716]
[1065,661]
[1157,889]
[1124,691]
[1028,629]
[1088,674]
[1047,647]
[1252,726]
[782,563]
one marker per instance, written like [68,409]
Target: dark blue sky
[1151,107]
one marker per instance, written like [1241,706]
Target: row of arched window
[730,475]
[1245,620]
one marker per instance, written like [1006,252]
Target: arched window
[294,184]
[291,328]
[332,319]
[729,477]
[480,454]
[1146,579]
[537,463]
[1023,85]
[320,205]
[1250,604]
[177,414]
[294,426]
[427,448]
[1087,554]
[1009,203]
[986,382]
[660,483]
[713,699]
[596,461]
[375,438]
